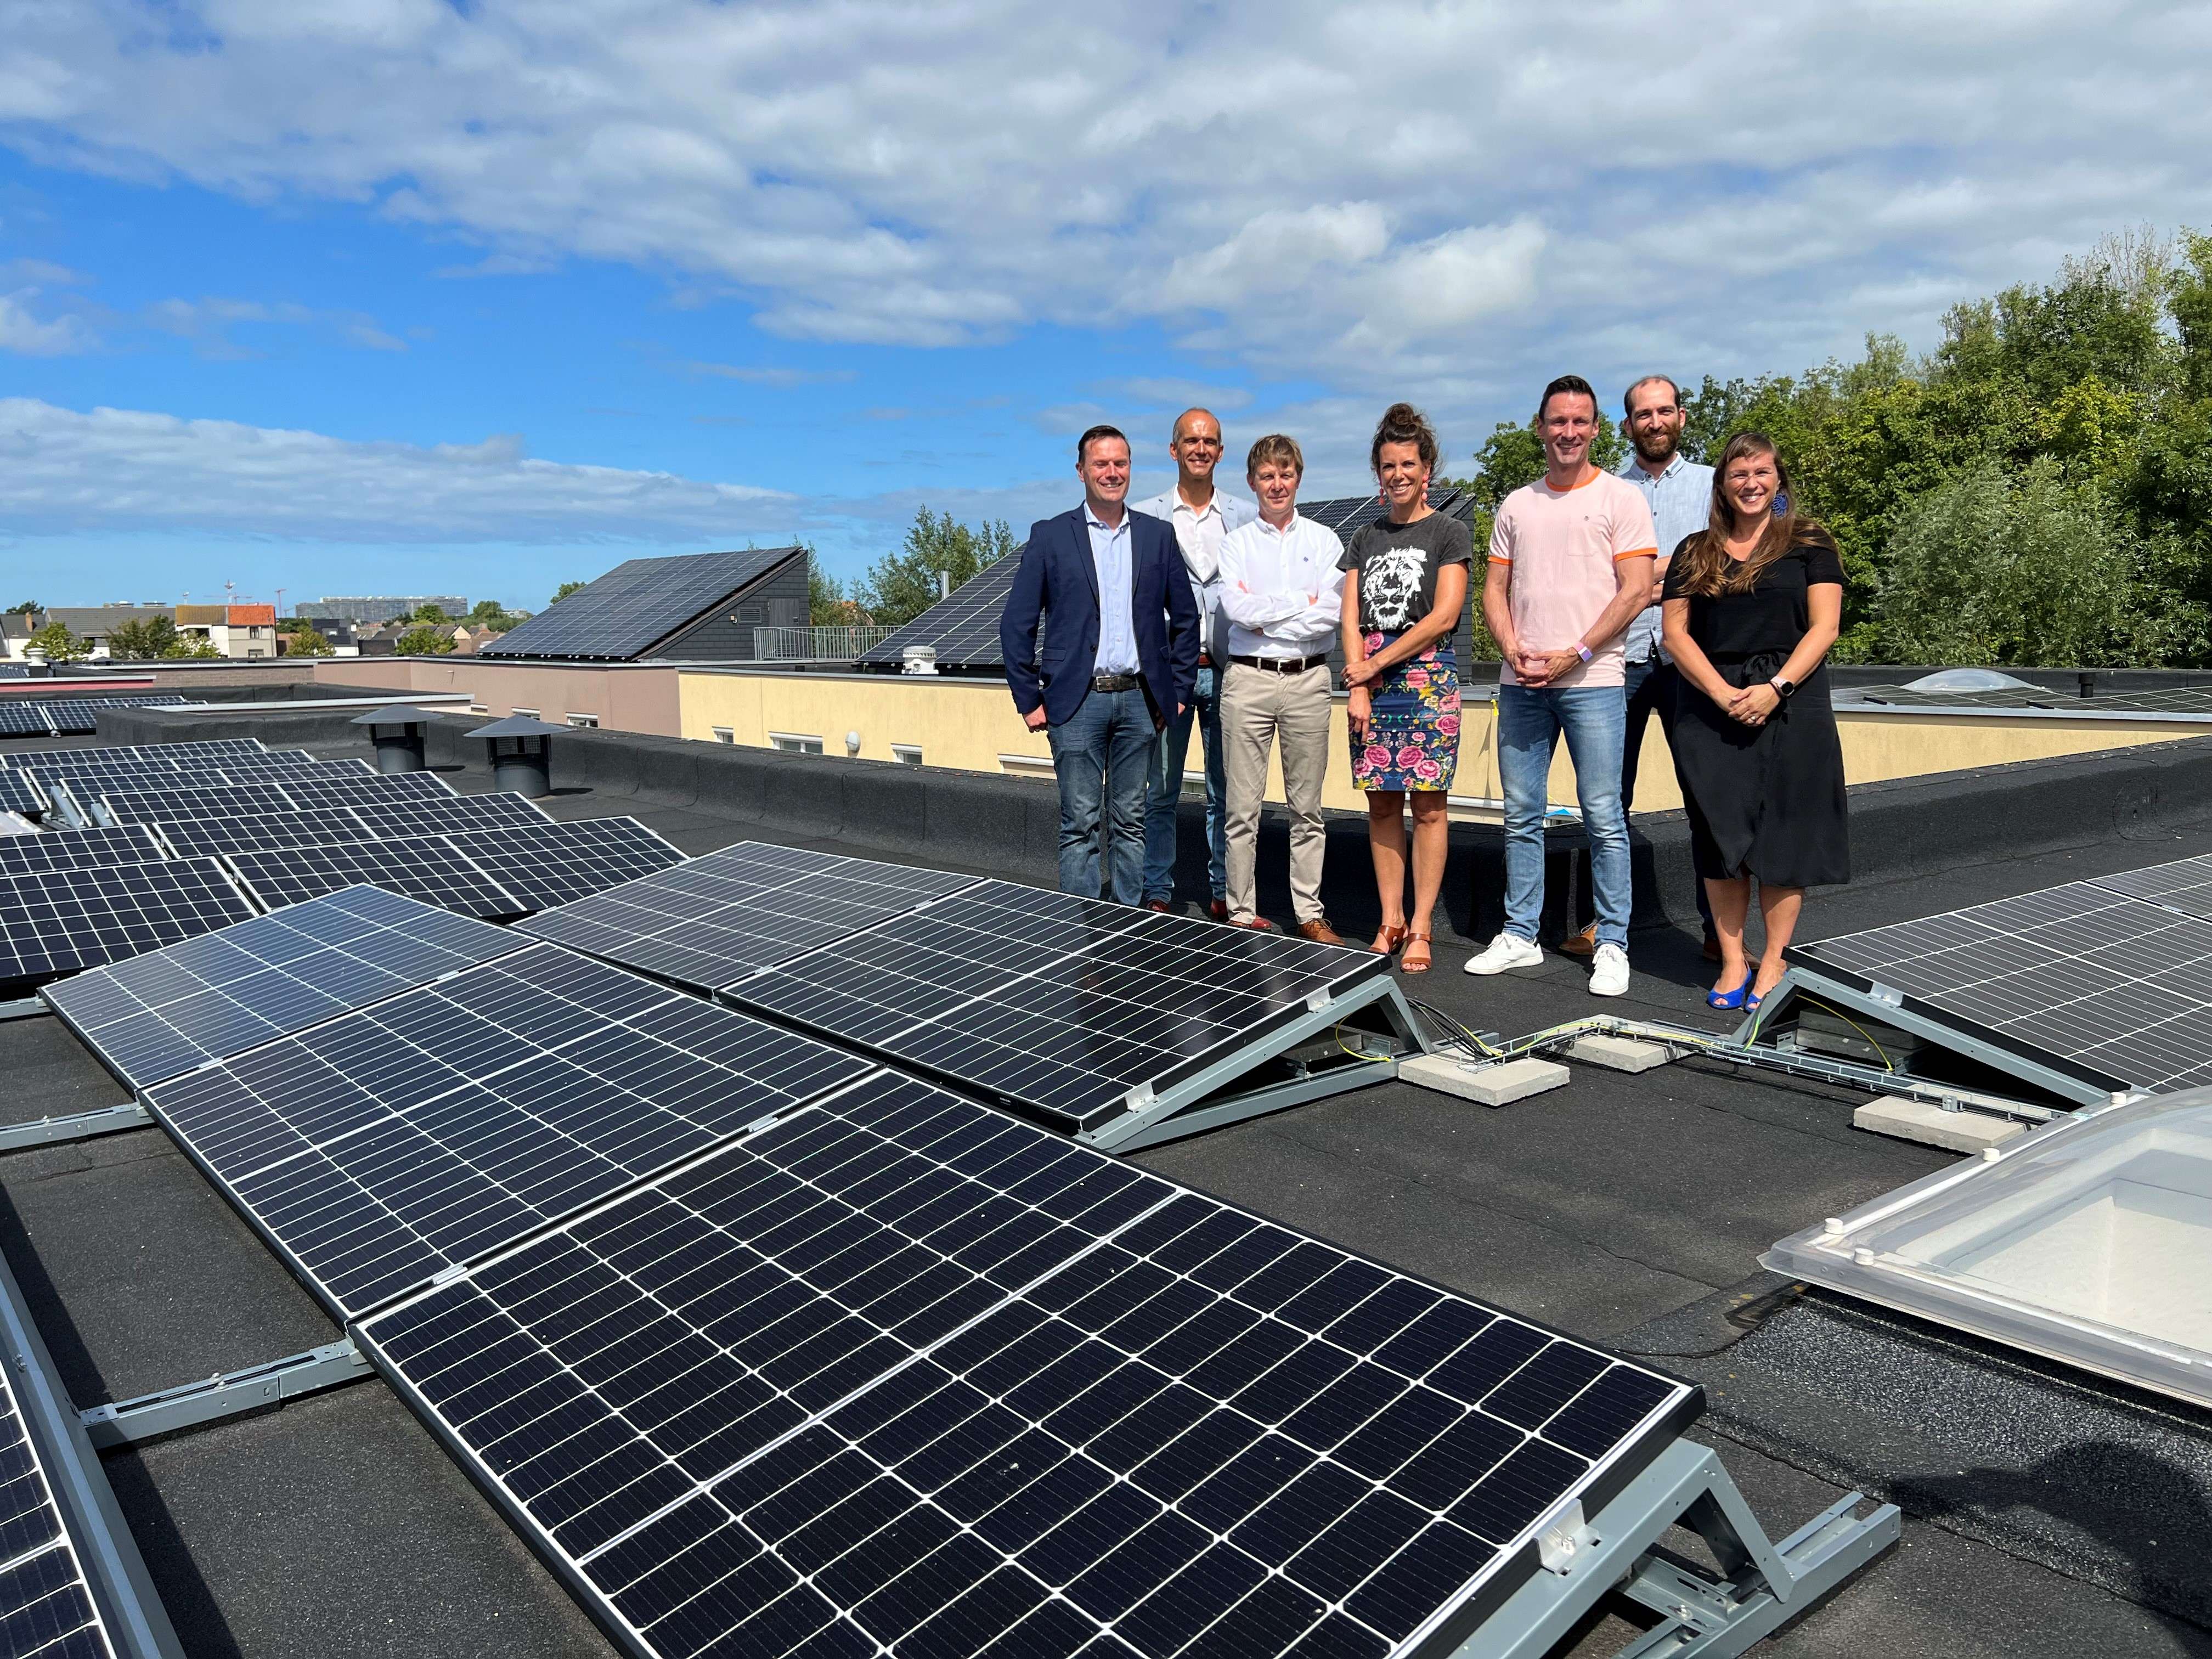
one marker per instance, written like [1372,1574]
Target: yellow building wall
[971,725]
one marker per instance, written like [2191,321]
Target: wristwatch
[1584,651]
[1783,688]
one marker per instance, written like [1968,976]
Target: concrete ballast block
[1498,1083]
[1931,1126]
[1618,1054]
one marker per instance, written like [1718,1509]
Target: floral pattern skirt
[1413,740]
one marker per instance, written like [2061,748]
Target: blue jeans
[1099,755]
[1648,687]
[1163,789]
[1595,719]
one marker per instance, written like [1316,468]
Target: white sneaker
[1506,951]
[1609,972]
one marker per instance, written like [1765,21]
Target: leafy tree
[58,643]
[302,640]
[28,608]
[191,645]
[424,641]
[430,613]
[144,639]
[565,590]
[901,586]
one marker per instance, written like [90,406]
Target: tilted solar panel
[17,794]
[712,920]
[19,719]
[158,1015]
[360,821]
[277,795]
[505,871]
[636,604]
[185,752]
[389,1145]
[899,1374]
[1069,1008]
[78,849]
[2104,982]
[46,1606]
[60,921]
[82,714]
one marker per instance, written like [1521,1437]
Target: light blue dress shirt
[1682,503]
[1113,559]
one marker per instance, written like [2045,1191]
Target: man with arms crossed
[1202,517]
[1680,492]
[1570,567]
[1282,593]
[1120,652]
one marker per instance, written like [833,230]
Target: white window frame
[724,733]
[528,714]
[583,722]
[907,754]
[796,743]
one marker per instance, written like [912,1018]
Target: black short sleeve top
[1772,615]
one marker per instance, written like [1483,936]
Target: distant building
[93,624]
[380,609]
[234,630]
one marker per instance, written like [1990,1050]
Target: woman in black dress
[1752,603]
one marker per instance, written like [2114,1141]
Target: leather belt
[1113,681]
[1283,664]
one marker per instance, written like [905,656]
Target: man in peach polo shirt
[1571,562]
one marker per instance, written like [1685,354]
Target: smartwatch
[1783,688]
[1581,651]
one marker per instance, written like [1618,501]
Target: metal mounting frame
[1205,1100]
[74,1125]
[1761,1584]
[1894,1008]
[227,1394]
[114,1571]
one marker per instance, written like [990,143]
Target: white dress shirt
[1199,536]
[1280,589]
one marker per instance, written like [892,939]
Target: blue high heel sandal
[1733,999]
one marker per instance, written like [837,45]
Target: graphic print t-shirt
[1397,566]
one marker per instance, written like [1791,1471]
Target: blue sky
[400,295]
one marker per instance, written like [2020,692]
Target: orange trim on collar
[1596,472]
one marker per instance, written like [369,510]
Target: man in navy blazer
[1119,661]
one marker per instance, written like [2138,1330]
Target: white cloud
[1448,200]
[780,379]
[210,323]
[63,471]
[23,331]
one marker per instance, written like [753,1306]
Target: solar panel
[1068,1007]
[963,629]
[82,714]
[78,849]
[2173,700]
[636,604]
[185,752]
[712,920]
[361,821]
[2104,986]
[46,1605]
[19,719]
[899,1374]
[158,1015]
[2184,885]
[276,795]
[390,1144]
[17,795]
[60,921]
[507,872]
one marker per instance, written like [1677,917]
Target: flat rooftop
[2047,1512]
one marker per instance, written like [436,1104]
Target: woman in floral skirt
[1405,587]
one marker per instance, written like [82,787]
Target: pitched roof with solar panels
[639,605]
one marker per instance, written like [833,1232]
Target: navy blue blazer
[1057,584]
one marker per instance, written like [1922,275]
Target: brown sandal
[1406,965]
[1388,941]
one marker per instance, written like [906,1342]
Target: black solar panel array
[964,629]
[78,849]
[637,604]
[72,716]
[2110,978]
[357,821]
[46,1606]
[155,1015]
[2173,700]
[183,754]
[386,1145]
[143,805]
[899,1374]
[60,921]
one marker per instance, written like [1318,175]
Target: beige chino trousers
[1258,708]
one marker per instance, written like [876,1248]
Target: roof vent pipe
[521,755]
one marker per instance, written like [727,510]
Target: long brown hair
[1707,570]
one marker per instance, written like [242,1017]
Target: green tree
[302,640]
[827,606]
[143,640]
[28,608]
[430,613]
[901,586]
[565,590]
[424,641]
[58,643]
[190,645]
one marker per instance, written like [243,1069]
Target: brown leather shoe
[1583,944]
[1320,932]
[1257,924]
[1218,909]
[1161,905]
